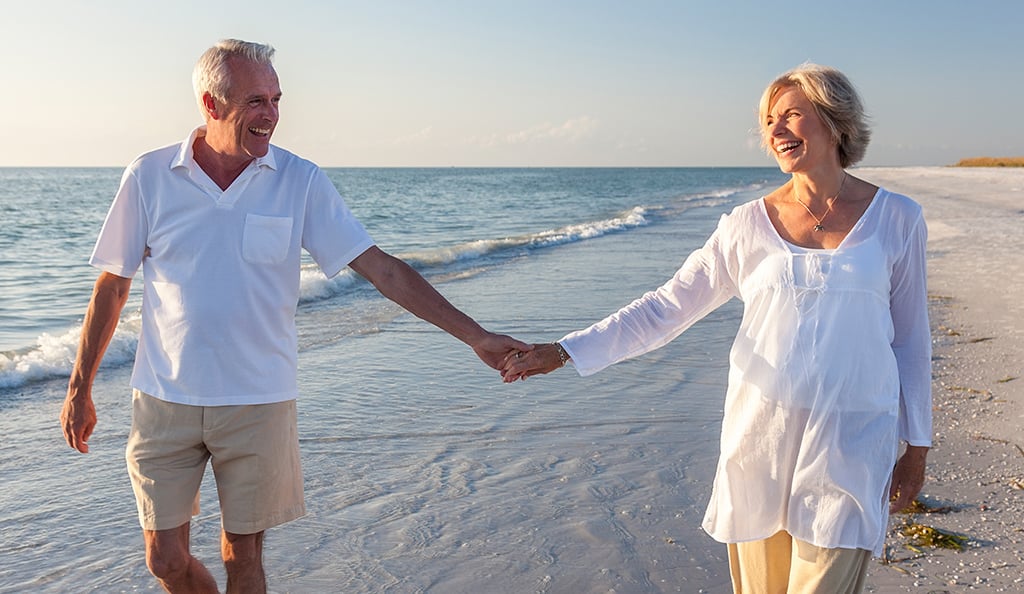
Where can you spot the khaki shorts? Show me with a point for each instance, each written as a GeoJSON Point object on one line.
{"type": "Point", "coordinates": [254, 451]}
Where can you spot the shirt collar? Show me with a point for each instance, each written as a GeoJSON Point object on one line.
{"type": "Point", "coordinates": [185, 158]}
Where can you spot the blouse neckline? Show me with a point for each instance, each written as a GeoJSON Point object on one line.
{"type": "Point", "coordinates": [875, 199]}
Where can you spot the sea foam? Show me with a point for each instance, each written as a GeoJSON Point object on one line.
{"type": "Point", "coordinates": [314, 286]}
{"type": "Point", "coordinates": [53, 356]}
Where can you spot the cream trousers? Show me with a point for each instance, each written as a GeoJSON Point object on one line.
{"type": "Point", "coordinates": [781, 564]}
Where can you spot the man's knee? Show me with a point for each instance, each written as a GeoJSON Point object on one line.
{"type": "Point", "coordinates": [242, 549]}
{"type": "Point", "coordinates": [167, 552]}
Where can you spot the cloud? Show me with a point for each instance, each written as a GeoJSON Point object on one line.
{"type": "Point", "coordinates": [753, 141]}
{"type": "Point", "coordinates": [569, 132]}
{"type": "Point", "coordinates": [414, 138]}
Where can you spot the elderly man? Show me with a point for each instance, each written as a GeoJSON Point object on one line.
{"type": "Point", "coordinates": [218, 223]}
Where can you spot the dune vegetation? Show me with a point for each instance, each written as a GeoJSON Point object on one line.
{"type": "Point", "coordinates": [991, 162]}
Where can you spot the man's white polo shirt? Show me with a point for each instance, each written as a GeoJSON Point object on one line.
{"type": "Point", "coordinates": [221, 270]}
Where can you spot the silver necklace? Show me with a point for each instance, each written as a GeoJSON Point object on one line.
{"type": "Point", "coordinates": [830, 202]}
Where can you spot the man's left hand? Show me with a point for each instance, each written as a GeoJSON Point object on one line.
{"type": "Point", "coordinates": [494, 348]}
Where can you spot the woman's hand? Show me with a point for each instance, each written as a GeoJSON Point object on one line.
{"type": "Point", "coordinates": [907, 478]}
{"type": "Point", "coordinates": [544, 358]}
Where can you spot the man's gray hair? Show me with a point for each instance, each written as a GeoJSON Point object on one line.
{"type": "Point", "coordinates": [212, 75]}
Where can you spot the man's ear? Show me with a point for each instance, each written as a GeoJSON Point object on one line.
{"type": "Point", "coordinates": [210, 105]}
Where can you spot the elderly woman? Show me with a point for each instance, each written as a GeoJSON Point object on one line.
{"type": "Point", "coordinates": [831, 368]}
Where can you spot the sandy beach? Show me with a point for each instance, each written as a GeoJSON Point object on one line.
{"type": "Point", "coordinates": [975, 479]}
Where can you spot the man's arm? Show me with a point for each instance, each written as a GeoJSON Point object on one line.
{"type": "Point", "coordinates": [78, 417]}
{"type": "Point", "coordinates": [400, 283]}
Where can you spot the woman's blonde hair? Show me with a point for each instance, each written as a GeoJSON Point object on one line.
{"type": "Point", "coordinates": [834, 99]}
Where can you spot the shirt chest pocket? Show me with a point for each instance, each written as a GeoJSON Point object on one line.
{"type": "Point", "coordinates": [266, 240]}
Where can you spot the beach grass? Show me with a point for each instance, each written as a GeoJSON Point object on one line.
{"type": "Point", "coordinates": [991, 162]}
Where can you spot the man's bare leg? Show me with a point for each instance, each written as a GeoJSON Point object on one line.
{"type": "Point", "coordinates": [169, 560]}
{"type": "Point", "coordinates": [243, 559]}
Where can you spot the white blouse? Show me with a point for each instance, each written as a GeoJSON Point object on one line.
{"type": "Point", "coordinates": [831, 368]}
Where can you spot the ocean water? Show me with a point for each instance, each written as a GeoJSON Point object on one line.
{"type": "Point", "coordinates": [423, 472]}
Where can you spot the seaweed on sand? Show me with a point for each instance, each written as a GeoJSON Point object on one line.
{"type": "Point", "coordinates": [921, 535]}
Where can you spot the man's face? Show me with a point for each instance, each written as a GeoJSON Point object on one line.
{"type": "Point", "coordinates": [243, 125]}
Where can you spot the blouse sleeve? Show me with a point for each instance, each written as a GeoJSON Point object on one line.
{"type": "Point", "coordinates": [912, 338]}
{"type": "Point", "coordinates": [700, 286]}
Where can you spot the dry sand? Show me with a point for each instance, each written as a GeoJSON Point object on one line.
{"type": "Point", "coordinates": [976, 466]}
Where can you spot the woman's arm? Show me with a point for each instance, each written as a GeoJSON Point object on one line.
{"type": "Point", "coordinates": [701, 285]}
{"type": "Point", "coordinates": [912, 347]}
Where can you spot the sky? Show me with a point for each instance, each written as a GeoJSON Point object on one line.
{"type": "Point", "coordinates": [524, 83]}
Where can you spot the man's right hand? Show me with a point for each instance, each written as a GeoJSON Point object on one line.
{"type": "Point", "coordinates": [78, 419]}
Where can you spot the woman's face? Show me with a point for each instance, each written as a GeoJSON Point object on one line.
{"type": "Point", "coordinates": [798, 138]}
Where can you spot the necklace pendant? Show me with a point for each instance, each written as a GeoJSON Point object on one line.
{"type": "Point", "coordinates": [819, 227]}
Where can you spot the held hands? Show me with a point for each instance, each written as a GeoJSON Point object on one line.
{"type": "Point", "coordinates": [541, 358]}
{"type": "Point", "coordinates": [494, 349]}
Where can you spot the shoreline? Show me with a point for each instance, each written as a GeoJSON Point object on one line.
{"type": "Point", "coordinates": [975, 476]}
